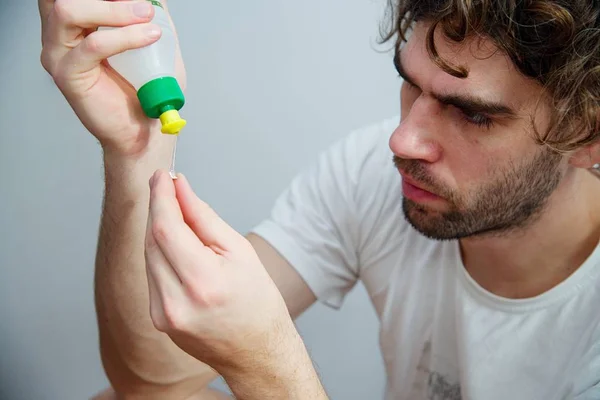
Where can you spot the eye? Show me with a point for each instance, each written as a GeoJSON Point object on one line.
{"type": "Point", "coordinates": [478, 119]}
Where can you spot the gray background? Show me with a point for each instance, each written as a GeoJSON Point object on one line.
{"type": "Point", "coordinates": [284, 78]}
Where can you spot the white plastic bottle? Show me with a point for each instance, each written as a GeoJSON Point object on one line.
{"type": "Point", "coordinates": [151, 71]}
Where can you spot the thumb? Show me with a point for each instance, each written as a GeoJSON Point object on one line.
{"type": "Point", "coordinates": [204, 221]}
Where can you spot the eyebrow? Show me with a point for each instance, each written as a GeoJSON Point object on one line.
{"type": "Point", "coordinates": [469, 103]}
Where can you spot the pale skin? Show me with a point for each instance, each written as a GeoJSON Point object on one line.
{"type": "Point", "coordinates": [140, 360]}
{"type": "Point", "coordinates": [524, 263]}
{"type": "Point", "coordinates": [167, 264]}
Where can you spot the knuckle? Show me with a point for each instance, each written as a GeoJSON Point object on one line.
{"type": "Point", "coordinates": [46, 61]}
{"type": "Point", "coordinates": [206, 296]}
{"type": "Point", "coordinates": [160, 230]}
{"type": "Point", "coordinates": [118, 10]}
{"type": "Point", "coordinates": [65, 11]}
{"type": "Point", "coordinates": [195, 219]}
{"type": "Point", "coordinates": [113, 8]}
{"type": "Point", "coordinates": [174, 317]}
{"type": "Point", "coordinates": [157, 317]}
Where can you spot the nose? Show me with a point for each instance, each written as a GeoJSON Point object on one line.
{"type": "Point", "coordinates": [414, 138]}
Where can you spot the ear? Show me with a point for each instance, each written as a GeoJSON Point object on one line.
{"type": "Point", "coordinates": [587, 156]}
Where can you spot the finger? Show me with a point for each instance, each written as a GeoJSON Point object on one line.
{"type": "Point", "coordinates": [166, 282]}
{"type": "Point", "coordinates": [204, 221]}
{"type": "Point", "coordinates": [68, 18]}
{"type": "Point", "coordinates": [156, 308]}
{"type": "Point", "coordinates": [189, 257]}
{"type": "Point", "coordinates": [103, 44]}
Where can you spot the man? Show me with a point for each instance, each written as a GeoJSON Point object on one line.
{"type": "Point", "coordinates": [473, 220]}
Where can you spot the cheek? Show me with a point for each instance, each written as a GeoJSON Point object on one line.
{"type": "Point", "coordinates": [470, 165]}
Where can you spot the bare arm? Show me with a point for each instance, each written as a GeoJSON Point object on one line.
{"type": "Point", "coordinates": [211, 293]}
{"type": "Point", "coordinates": [296, 293]}
{"type": "Point", "coordinates": [139, 360]}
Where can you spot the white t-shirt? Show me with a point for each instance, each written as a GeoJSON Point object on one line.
{"type": "Point", "coordinates": [442, 336]}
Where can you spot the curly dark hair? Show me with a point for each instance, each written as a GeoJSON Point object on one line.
{"type": "Point", "coordinates": [555, 42]}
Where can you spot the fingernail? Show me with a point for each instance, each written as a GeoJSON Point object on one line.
{"type": "Point", "coordinates": [153, 31]}
{"type": "Point", "coordinates": [142, 10]}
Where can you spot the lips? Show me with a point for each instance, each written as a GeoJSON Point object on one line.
{"type": "Point", "coordinates": [414, 183]}
{"type": "Point", "coordinates": [415, 191]}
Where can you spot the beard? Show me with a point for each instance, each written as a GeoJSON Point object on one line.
{"type": "Point", "coordinates": [510, 200]}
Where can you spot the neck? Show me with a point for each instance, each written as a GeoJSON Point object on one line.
{"type": "Point", "coordinates": [536, 258]}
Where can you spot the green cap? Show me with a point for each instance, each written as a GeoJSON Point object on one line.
{"type": "Point", "coordinates": [160, 95]}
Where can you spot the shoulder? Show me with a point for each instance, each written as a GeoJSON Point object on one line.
{"type": "Point", "coordinates": [362, 167]}
{"type": "Point", "coordinates": [366, 168]}
{"type": "Point", "coordinates": [368, 148]}
{"type": "Point", "coordinates": [357, 158]}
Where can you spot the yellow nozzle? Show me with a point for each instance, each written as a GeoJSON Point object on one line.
{"type": "Point", "coordinates": [172, 123]}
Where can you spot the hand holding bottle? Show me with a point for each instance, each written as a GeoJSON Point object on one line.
{"type": "Point", "coordinates": [74, 53]}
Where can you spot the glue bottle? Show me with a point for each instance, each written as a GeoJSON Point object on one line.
{"type": "Point", "coordinates": [151, 71]}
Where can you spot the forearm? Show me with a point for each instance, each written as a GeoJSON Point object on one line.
{"type": "Point", "coordinates": [137, 358]}
{"type": "Point", "coordinates": [288, 373]}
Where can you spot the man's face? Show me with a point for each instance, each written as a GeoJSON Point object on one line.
{"type": "Point", "coordinates": [465, 147]}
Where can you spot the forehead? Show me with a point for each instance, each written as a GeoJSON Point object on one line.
{"type": "Point", "coordinates": [492, 75]}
